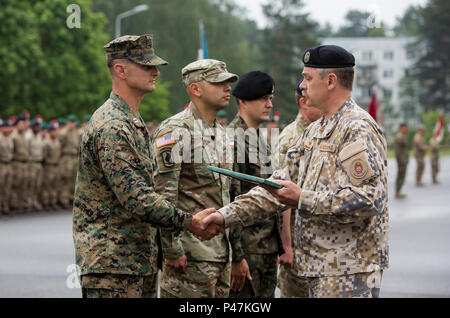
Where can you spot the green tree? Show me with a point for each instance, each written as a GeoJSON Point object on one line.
{"type": "Point", "coordinates": [357, 25]}
{"type": "Point", "coordinates": [289, 34]}
{"type": "Point", "coordinates": [410, 23]}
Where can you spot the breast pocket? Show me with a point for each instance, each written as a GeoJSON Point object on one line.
{"type": "Point", "coordinates": [203, 175]}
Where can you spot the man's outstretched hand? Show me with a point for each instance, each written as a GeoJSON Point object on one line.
{"type": "Point", "coordinates": [200, 230]}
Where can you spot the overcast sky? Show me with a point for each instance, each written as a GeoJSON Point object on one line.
{"type": "Point", "coordinates": [334, 11]}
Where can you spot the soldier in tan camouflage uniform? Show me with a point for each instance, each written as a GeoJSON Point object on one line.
{"type": "Point", "coordinates": [434, 158]}
{"type": "Point", "coordinates": [402, 157]}
{"type": "Point", "coordinates": [6, 156]}
{"type": "Point", "coordinates": [336, 176]}
{"type": "Point", "coordinates": [290, 280]}
{"type": "Point", "coordinates": [193, 268]}
{"type": "Point", "coordinates": [52, 178]}
{"type": "Point", "coordinates": [69, 139]}
{"type": "Point", "coordinates": [36, 145]}
{"type": "Point", "coordinates": [115, 207]}
{"type": "Point", "coordinates": [255, 248]}
{"type": "Point", "coordinates": [420, 149]}
{"type": "Point", "coordinates": [19, 195]}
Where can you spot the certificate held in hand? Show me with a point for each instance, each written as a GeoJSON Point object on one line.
{"type": "Point", "coordinates": [245, 177]}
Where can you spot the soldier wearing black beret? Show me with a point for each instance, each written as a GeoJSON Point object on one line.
{"type": "Point", "coordinates": [255, 248]}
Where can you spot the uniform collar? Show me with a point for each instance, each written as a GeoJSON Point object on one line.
{"type": "Point", "coordinates": [301, 121]}
{"type": "Point", "coordinates": [122, 105]}
{"type": "Point", "coordinates": [197, 115]}
{"type": "Point", "coordinates": [327, 126]}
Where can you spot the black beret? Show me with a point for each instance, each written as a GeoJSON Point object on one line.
{"type": "Point", "coordinates": [328, 56]}
{"type": "Point", "coordinates": [253, 85]}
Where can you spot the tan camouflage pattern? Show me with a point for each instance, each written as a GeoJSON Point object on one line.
{"type": "Point", "coordinates": [138, 49]}
{"type": "Point", "coordinates": [209, 70]}
{"type": "Point", "coordinates": [420, 149]}
{"type": "Point", "coordinates": [289, 279]}
{"type": "Point", "coordinates": [401, 148]}
{"type": "Point", "coordinates": [200, 280]}
{"type": "Point", "coordinates": [359, 285]}
{"type": "Point", "coordinates": [19, 196]}
{"type": "Point", "coordinates": [342, 221]}
{"type": "Point", "coordinates": [434, 158]}
{"type": "Point", "coordinates": [263, 269]}
{"type": "Point", "coordinates": [52, 179]}
{"type": "Point", "coordinates": [6, 176]}
{"type": "Point", "coordinates": [36, 144]}
{"type": "Point", "coordinates": [263, 237]}
{"type": "Point", "coordinates": [70, 146]}
{"type": "Point", "coordinates": [116, 206]}
{"type": "Point", "coordinates": [119, 286]}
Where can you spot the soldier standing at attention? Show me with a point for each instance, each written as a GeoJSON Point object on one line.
{"type": "Point", "coordinates": [402, 157]}
{"type": "Point", "coordinates": [36, 145]}
{"type": "Point", "coordinates": [52, 178]}
{"type": "Point", "coordinates": [420, 150]}
{"type": "Point", "coordinates": [19, 195]}
{"type": "Point", "coordinates": [434, 150]}
{"type": "Point", "coordinates": [193, 268]}
{"type": "Point", "coordinates": [115, 207]}
{"type": "Point", "coordinates": [290, 280]}
{"type": "Point", "coordinates": [255, 248]}
{"type": "Point", "coordinates": [336, 176]}
{"type": "Point", "coordinates": [6, 157]}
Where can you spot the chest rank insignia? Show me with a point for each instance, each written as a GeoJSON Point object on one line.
{"type": "Point", "coordinates": [308, 145]}
{"type": "Point", "coordinates": [358, 169]}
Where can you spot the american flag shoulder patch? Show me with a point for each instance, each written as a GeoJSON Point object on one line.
{"type": "Point", "coordinates": [165, 140]}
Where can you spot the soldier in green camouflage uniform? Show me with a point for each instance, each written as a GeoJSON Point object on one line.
{"type": "Point", "coordinates": [193, 268]}
{"type": "Point", "coordinates": [115, 207]}
{"type": "Point", "coordinates": [336, 176]}
{"type": "Point", "coordinates": [52, 178]}
{"type": "Point", "coordinates": [6, 156]}
{"type": "Point", "coordinates": [290, 281]}
{"type": "Point", "coordinates": [254, 247]}
{"type": "Point", "coordinates": [19, 195]}
{"type": "Point", "coordinates": [420, 149]}
{"type": "Point", "coordinates": [402, 156]}
{"type": "Point", "coordinates": [434, 150]}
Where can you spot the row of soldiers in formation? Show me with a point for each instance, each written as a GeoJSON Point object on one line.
{"type": "Point", "coordinates": [420, 149]}
{"type": "Point", "coordinates": [38, 163]}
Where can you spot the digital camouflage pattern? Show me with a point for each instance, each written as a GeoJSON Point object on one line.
{"type": "Point", "coordinates": [6, 176]}
{"type": "Point", "coordinates": [200, 280]}
{"type": "Point", "coordinates": [137, 48]}
{"type": "Point", "coordinates": [209, 70]}
{"type": "Point", "coordinates": [290, 281]}
{"type": "Point", "coordinates": [189, 185]}
{"type": "Point", "coordinates": [342, 222]}
{"type": "Point", "coordinates": [402, 156]}
{"type": "Point", "coordinates": [116, 206]}
{"type": "Point", "coordinates": [419, 153]}
{"type": "Point", "coordinates": [119, 286]}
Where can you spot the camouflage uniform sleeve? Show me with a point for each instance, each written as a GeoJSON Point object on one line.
{"type": "Point", "coordinates": [167, 176]}
{"type": "Point", "coordinates": [127, 173]}
{"type": "Point", "coordinates": [359, 195]}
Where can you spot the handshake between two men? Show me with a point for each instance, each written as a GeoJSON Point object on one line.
{"type": "Point", "coordinates": [208, 223]}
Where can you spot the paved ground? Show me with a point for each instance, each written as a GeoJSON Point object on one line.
{"type": "Point", "coordinates": [37, 250]}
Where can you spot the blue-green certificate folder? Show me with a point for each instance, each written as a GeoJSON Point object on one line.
{"type": "Point", "coordinates": [245, 177]}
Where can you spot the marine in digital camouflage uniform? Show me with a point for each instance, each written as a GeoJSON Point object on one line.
{"type": "Point", "coordinates": [260, 244]}
{"type": "Point", "coordinates": [420, 149]}
{"type": "Point", "coordinates": [336, 176]}
{"type": "Point", "coordinates": [290, 281]}
{"type": "Point", "coordinates": [6, 156]}
{"type": "Point", "coordinates": [402, 156]}
{"type": "Point", "coordinates": [194, 268]}
{"type": "Point", "coordinates": [116, 206]}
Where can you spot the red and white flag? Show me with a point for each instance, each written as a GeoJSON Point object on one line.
{"type": "Point", "coordinates": [374, 109]}
{"type": "Point", "coordinates": [439, 129]}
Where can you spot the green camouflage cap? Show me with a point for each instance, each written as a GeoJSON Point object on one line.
{"type": "Point", "coordinates": [62, 121]}
{"type": "Point", "coordinates": [209, 70]}
{"type": "Point", "coordinates": [136, 48]}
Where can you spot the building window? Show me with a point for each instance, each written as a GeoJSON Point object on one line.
{"type": "Point", "coordinates": [388, 55]}
{"type": "Point", "coordinates": [410, 54]}
{"type": "Point", "coordinates": [389, 73]}
{"type": "Point", "coordinates": [367, 55]}
{"type": "Point", "coordinates": [387, 93]}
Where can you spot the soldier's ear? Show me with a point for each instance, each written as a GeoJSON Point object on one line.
{"type": "Point", "coordinates": [195, 89]}
{"type": "Point", "coordinates": [332, 81]}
